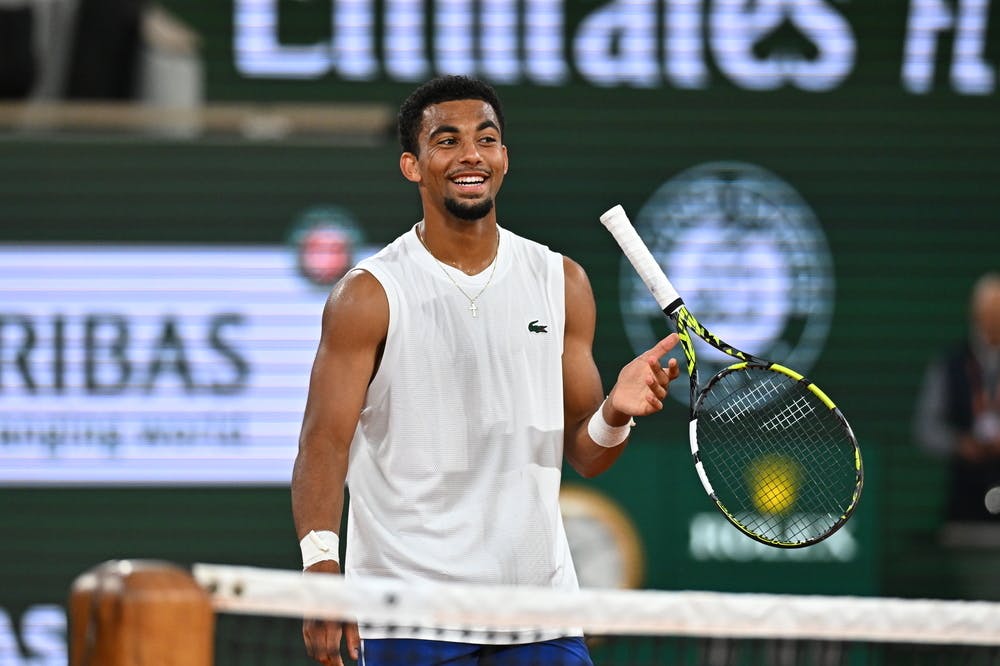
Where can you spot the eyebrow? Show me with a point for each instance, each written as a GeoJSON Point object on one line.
{"type": "Point", "coordinates": [451, 129]}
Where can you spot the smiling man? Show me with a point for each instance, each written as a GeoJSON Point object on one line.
{"type": "Point", "coordinates": [453, 376]}
{"type": "Point", "coordinates": [474, 179]}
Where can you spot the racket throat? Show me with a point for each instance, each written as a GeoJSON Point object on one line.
{"type": "Point", "coordinates": [673, 307]}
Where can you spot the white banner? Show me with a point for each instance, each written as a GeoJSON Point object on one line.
{"type": "Point", "coordinates": [153, 364]}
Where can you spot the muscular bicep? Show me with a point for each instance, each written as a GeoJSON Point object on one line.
{"type": "Point", "coordinates": [355, 323]}
{"type": "Point", "coordinates": [581, 380]}
{"type": "Point", "coordinates": [582, 388]}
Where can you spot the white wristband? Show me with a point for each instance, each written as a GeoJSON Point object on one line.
{"type": "Point", "coordinates": [606, 435]}
{"type": "Point", "coordinates": [319, 547]}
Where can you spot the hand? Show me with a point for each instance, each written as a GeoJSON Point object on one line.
{"type": "Point", "coordinates": [643, 383]}
{"type": "Point", "coordinates": [322, 637]}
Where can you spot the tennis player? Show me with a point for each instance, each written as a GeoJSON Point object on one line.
{"type": "Point", "coordinates": [454, 374]}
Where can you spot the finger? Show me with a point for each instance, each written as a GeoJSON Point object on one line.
{"type": "Point", "coordinates": [323, 642]}
{"type": "Point", "coordinates": [661, 348]}
{"type": "Point", "coordinates": [315, 636]}
{"type": "Point", "coordinates": [307, 638]}
{"type": "Point", "coordinates": [353, 639]}
{"type": "Point", "coordinates": [661, 374]}
{"type": "Point", "coordinates": [657, 382]}
{"type": "Point", "coordinates": [333, 632]}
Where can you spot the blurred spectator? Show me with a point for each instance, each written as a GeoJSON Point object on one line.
{"type": "Point", "coordinates": [106, 49]}
{"type": "Point", "coordinates": [958, 415]}
{"type": "Point", "coordinates": [17, 56]}
{"type": "Point", "coordinates": [100, 50]}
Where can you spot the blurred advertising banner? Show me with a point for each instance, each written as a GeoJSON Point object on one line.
{"type": "Point", "coordinates": [124, 364]}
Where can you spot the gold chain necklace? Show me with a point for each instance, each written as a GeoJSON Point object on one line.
{"type": "Point", "coordinates": [473, 308]}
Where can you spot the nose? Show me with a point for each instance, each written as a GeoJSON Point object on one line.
{"type": "Point", "coordinates": [470, 154]}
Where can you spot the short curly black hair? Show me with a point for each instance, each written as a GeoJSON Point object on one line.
{"type": "Point", "coordinates": [441, 89]}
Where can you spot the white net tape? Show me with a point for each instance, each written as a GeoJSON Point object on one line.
{"type": "Point", "coordinates": [248, 590]}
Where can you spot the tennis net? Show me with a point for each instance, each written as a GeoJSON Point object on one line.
{"type": "Point", "coordinates": [624, 627]}
{"type": "Point", "coordinates": [245, 616]}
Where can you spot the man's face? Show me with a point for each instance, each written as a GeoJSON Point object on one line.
{"type": "Point", "coordinates": [462, 161]}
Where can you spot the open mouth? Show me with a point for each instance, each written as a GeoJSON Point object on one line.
{"type": "Point", "coordinates": [472, 183]}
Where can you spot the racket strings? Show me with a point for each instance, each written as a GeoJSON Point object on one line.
{"type": "Point", "coordinates": [788, 417]}
{"type": "Point", "coordinates": [780, 461]}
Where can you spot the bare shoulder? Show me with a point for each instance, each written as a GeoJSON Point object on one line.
{"type": "Point", "coordinates": [577, 282]}
{"type": "Point", "coordinates": [358, 287]}
{"type": "Point", "coordinates": [581, 311]}
{"type": "Point", "coordinates": [358, 302]}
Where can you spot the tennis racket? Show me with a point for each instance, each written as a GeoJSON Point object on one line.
{"type": "Point", "coordinates": [773, 452]}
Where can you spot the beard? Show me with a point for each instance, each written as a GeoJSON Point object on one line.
{"type": "Point", "coordinates": [469, 212]}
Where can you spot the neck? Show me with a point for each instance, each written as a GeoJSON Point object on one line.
{"type": "Point", "coordinates": [468, 246]}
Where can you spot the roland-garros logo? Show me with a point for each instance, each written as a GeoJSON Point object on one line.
{"type": "Point", "coordinates": [748, 256]}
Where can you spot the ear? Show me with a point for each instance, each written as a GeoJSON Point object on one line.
{"type": "Point", "coordinates": [506, 163]}
{"type": "Point", "coordinates": [408, 164]}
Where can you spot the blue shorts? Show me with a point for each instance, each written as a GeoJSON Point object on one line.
{"type": "Point", "coordinates": [569, 651]}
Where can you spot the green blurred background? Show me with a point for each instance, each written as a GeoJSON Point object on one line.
{"type": "Point", "coordinates": [904, 184]}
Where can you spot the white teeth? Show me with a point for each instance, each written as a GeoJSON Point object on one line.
{"type": "Point", "coordinates": [469, 181]}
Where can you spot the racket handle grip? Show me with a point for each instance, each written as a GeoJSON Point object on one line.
{"type": "Point", "coordinates": [617, 222]}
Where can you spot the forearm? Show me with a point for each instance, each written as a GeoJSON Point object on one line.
{"type": "Point", "coordinates": [585, 455]}
{"type": "Point", "coordinates": [638, 391]}
{"type": "Point", "coordinates": [318, 479]}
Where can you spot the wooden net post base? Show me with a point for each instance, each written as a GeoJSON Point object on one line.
{"type": "Point", "coordinates": [139, 613]}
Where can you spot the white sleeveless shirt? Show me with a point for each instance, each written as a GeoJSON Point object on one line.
{"type": "Point", "coordinates": [456, 462]}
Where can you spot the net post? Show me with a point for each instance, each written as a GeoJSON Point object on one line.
{"type": "Point", "coordinates": [136, 612]}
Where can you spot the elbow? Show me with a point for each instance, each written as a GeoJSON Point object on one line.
{"type": "Point", "coordinates": [588, 458]}
{"type": "Point", "coordinates": [595, 466]}
{"type": "Point", "coordinates": [588, 471]}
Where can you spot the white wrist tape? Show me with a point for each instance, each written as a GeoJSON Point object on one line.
{"type": "Point", "coordinates": [606, 435]}
{"type": "Point", "coordinates": [319, 547]}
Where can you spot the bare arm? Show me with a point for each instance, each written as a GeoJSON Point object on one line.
{"type": "Point", "coordinates": [641, 386]}
{"type": "Point", "coordinates": [355, 323]}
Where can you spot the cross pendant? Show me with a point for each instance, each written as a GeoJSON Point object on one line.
{"type": "Point", "coordinates": [473, 309]}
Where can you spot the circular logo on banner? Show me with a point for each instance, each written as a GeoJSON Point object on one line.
{"type": "Point", "coordinates": [748, 257]}
{"type": "Point", "coordinates": [326, 239]}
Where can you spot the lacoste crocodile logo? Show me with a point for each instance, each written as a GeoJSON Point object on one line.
{"type": "Point", "coordinates": [535, 327]}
